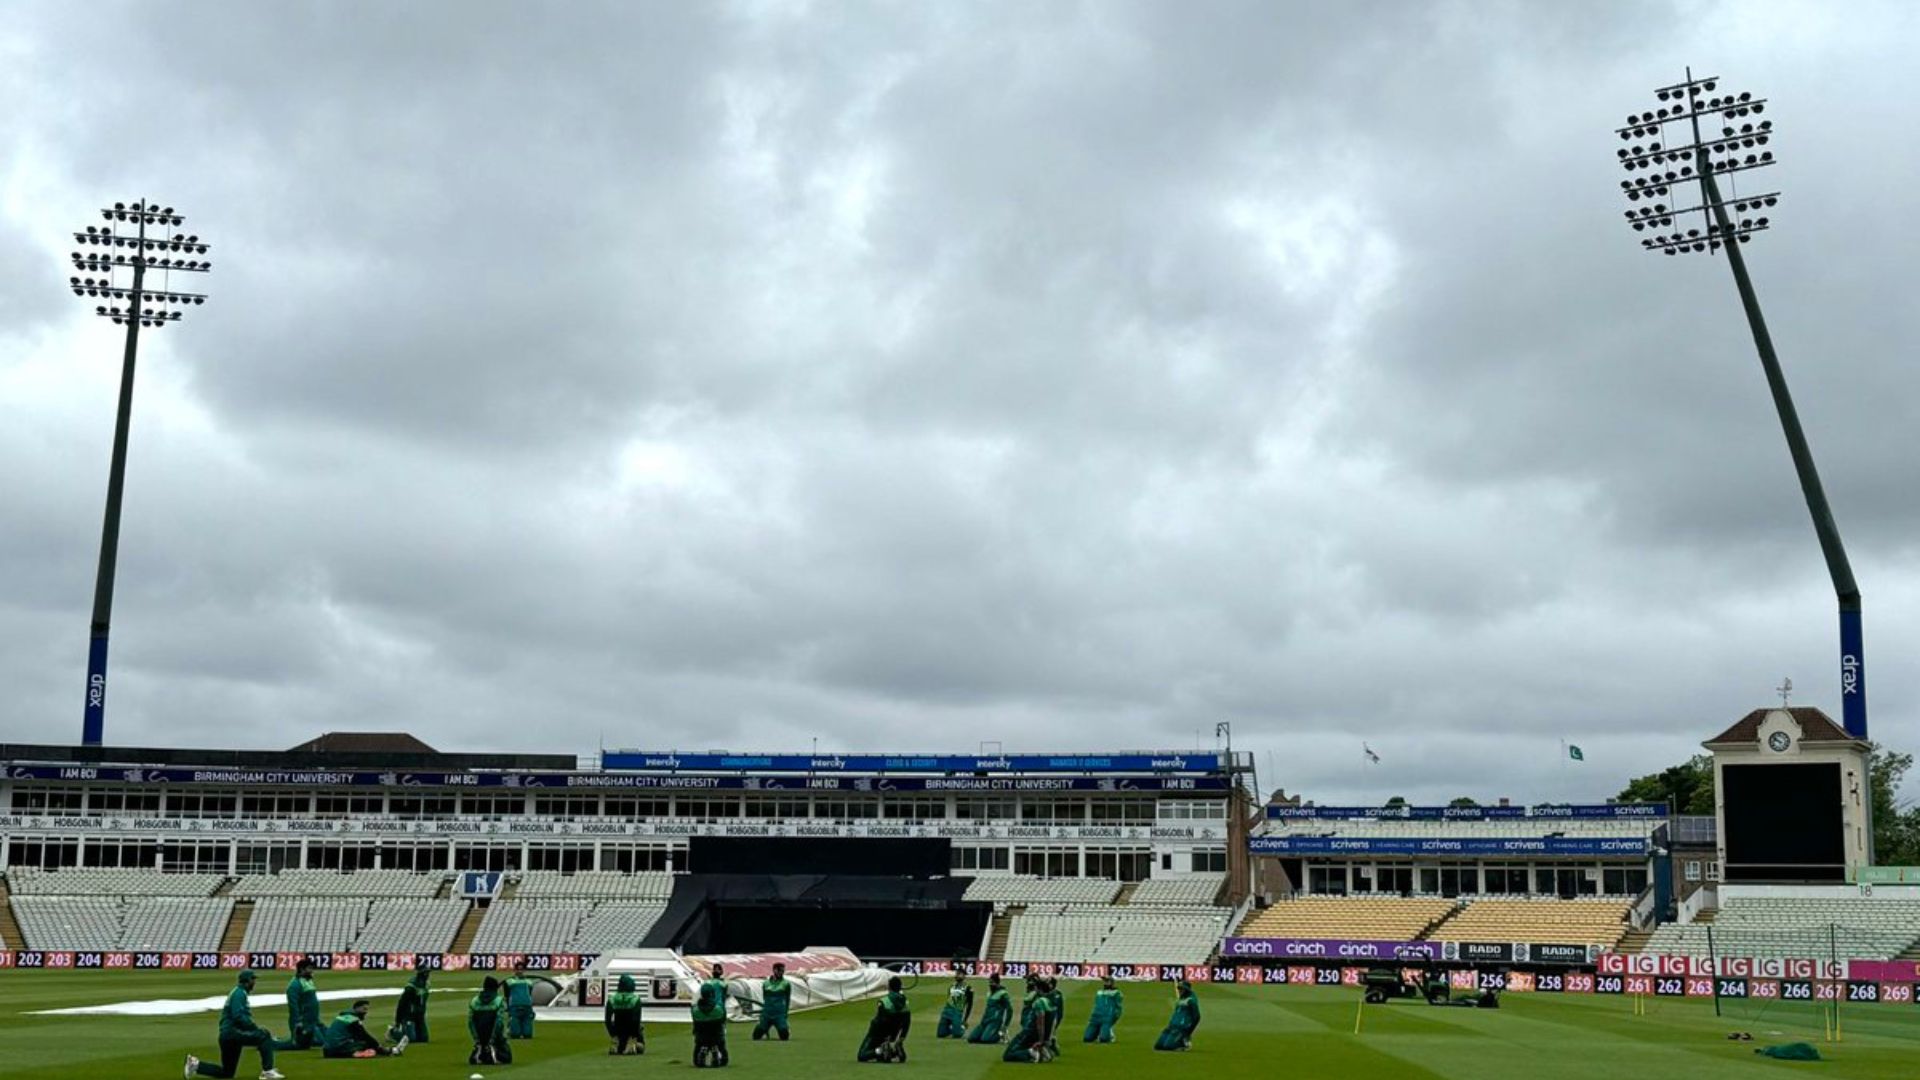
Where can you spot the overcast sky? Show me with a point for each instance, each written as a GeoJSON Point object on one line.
{"type": "Point", "coordinates": [908, 376]}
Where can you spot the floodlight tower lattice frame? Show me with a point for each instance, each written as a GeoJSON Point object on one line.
{"type": "Point", "coordinates": [1702, 161]}
{"type": "Point", "coordinates": [146, 307]}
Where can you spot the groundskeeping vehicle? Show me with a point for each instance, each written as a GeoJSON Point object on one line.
{"type": "Point", "coordinates": [1414, 975]}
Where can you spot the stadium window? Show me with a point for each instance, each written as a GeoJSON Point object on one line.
{"type": "Point", "coordinates": [1210, 862]}
{"type": "Point", "coordinates": [1103, 864]}
{"type": "Point", "coordinates": [633, 807]}
{"type": "Point", "coordinates": [1391, 879]}
{"type": "Point", "coordinates": [1362, 876]}
{"type": "Point", "coordinates": [984, 809]}
{"type": "Point", "coordinates": [1325, 880]}
{"type": "Point", "coordinates": [1713, 870]}
{"type": "Point", "coordinates": [1429, 880]}
{"type": "Point", "coordinates": [49, 800]}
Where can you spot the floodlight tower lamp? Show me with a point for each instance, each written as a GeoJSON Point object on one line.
{"type": "Point", "coordinates": [1709, 227]}
{"type": "Point", "coordinates": [134, 306]}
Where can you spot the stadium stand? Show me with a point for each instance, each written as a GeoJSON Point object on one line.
{"type": "Point", "coordinates": [1030, 891]}
{"type": "Point", "coordinates": [69, 922]}
{"type": "Point", "coordinates": [410, 925]}
{"type": "Point", "coordinates": [617, 926]}
{"type": "Point", "coordinates": [1162, 937]}
{"type": "Point", "coordinates": [596, 885]}
{"type": "Point", "coordinates": [530, 925]}
{"type": "Point", "coordinates": [1061, 934]}
{"type": "Point", "coordinates": [75, 881]}
{"type": "Point", "coordinates": [1560, 922]}
{"type": "Point", "coordinates": [303, 924]}
{"type": "Point", "coordinates": [1199, 890]}
{"type": "Point", "coordinates": [1845, 928]}
{"type": "Point", "coordinates": [175, 924]}
{"type": "Point", "coordinates": [1367, 918]}
{"type": "Point", "coordinates": [327, 883]}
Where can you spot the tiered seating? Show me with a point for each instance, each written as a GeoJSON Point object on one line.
{"type": "Point", "coordinates": [1162, 937]}
{"type": "Point", "coordinates": [410, 926]}
{"type": "Point", "coordinates": [1199, 890]}
{"type": "Point", "coordinates": [78, 881]}
{"type": "Point", "coordinates": [1063, 934]}
{"type": "Point", "coordinates": [176, 924]}
{"type": "Point", "coordinates": [69, 922]}
{"type": "Point", "coordinates": [322, 883]}
{"type": "Point", "coordinates": [1361, 918]}
{"type": "Point", "coordinates": [518, 926]}
{"type": "Point", "coordinates": [1029, 891]}
{"type": "Point", "coordinates": [1846, 928]}
{"type": "Point", "coordinates": [595, 885]}
{"type": "Point", "coordinates": [617, 924]}
{"type": "Point", "coordinates": [304, 925]}
{"type": "Point", "coordinates": [1558, 922]}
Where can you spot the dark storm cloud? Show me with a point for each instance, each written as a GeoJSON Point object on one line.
{"type": "Point", "coordinates": [904, 376]}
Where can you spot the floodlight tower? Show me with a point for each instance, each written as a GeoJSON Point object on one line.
{"type": "Point", "coordinates": [1663, 165]}
{"type": "Point", "coordinates": [135, 239]}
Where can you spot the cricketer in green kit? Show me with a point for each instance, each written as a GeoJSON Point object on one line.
{"type": "Point", "coordinates": [1030, 1044]}
{"type": "Point", "coordinates": [622, 1018]}
{"type": "Point", "coordinates": [1107, 1004]}
{"type": "Point", "coordinates": [237, 1032]}
{"type": "Point", "coordinates": [993, 1019]}
{"type": "Point", "coordinates": [348, 1037]}
{"type": "Point", "coordinates": [303, 1010]}
{"type": "Point", "coordinates": [776, 997]}
{"type": "Point", "coordinates": [410, 1015]}
{"type": "Point", "coordinates": [1178, 1034]}
{"type": "Point", "coordinates": [886, 1040]}
{"type": "Point", "coordinates": [487, 1024]}
{"type": "Point", "coordinates": [519, 991]}
{"type": "Point", "coordinates": [958, 1009]}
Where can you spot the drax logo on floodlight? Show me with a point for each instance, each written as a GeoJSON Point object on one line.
{"type": "Point", "coordinates": [115, 261]}
{"type": "Point", "coordinates": [1679, 153]}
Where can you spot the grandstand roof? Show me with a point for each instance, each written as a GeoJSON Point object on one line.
{"type": "Point", "coordinates": [416, 755]}
{"type": "Point", "coordinates": [364, 742]}
{"type": "Point", "coordinates": [1815, 726]}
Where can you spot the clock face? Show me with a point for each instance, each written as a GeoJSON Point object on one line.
{"type": "Point", "coordinates": [1778, 742]}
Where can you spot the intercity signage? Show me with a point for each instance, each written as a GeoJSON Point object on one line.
{"type": "Point", "coordinates": [1465, 813]}
{"type": "Point", "coordinates": [1368, 845]}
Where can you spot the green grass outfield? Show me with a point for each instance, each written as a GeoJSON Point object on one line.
{"type": "Point", "coordinates": [1266, 1032]}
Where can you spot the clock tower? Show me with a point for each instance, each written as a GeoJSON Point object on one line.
{"type": "Point", "coordinates": [1791, 798]}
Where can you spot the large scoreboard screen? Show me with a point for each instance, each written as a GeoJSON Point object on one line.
{"type": "Point", "coordinates": [1784, 823]}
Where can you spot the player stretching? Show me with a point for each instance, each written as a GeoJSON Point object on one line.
{"type": "Point", "coordinates": [993, 1019]}
{"type": "Point", "coordinates": [1031, 1044]}
{"type": "Point", "coordinates": [886, 1040]}
{"type": "Point", "coordinates": [410, 1015]}
{"type": "Point", "coordinates": [487, 1023]}
{"type": "Point", "coordinates": [237, 1032]}
{"type": "Point", "coordinates": [622, 1017]}
{"type": "Point", "coordinates": [1107, 1003]}
{"type": "Point", "coordinates": [776, 997]}
{"type": "Point", "coordinates": [1186, 1016]}
{"type": "Point", "coordinates": [958, 1009]}
{"type": "Point", "coordinates": [303, 1010]}
{"type": "Point", "coordinates": [519, 991]}
{"type": "Point", "coordinates": [347, 1037]}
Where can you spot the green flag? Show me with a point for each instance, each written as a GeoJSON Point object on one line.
{"type": "Point", "coordinates": [1574, 753]}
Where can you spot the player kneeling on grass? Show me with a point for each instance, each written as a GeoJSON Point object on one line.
{"type": "Point", "coordinates": [1032, 1044]}
{"type": "Point", "coordinates": [959, 1007]}
{"type": "Point", "coordinates": [1107, 1004]}
{"type": "Point", "coordinates": [487, 1023]}
{"type": "Point", "coordinates": [776, 998]}
{"type": "Point", "coordinates": [886, 1040]}
{"type": "Point", "coordinates": [710, 1024]}
{"type": "Point", "coordinates": [410, 1015]}
{"type": "Point", "coordinates": [622, 1017]}
{"type": "Point", "coordinates": [1178, 1034]}
{"type": "Point", "coordinates": [303, 1010]}
{"type": "Point", "coordinates": [348, 1037]}
{"type": "Point", "coordinates": [237, 1032]}
{"type": "Point", "coordinates": [993, 1019]}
